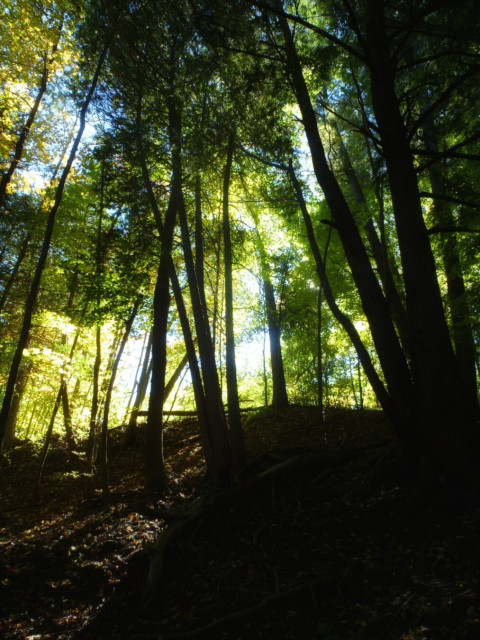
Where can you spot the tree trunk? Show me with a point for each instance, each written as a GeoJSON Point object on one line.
{"type": "Point", "coordinates": [22, 138]}
{"type": "Point", "coordinates": [462, 333]}
{"type": "Point", "coordinates": [206, 435]}
{"type": "Point", "coordinates": [93, 428]}
{"type": "Point", "coordinates": [279, 387]}
{"type": "Point", "coordinates": [392, 359]}
{"type": "Point", "coordinates": [141, 393]}
{"type": "Point", "coordinates": [46, 444]}
{"type": "Point", "coordinates": [234, 419]}
{"type": "Point", "coordinates": [33, 293]}
{"type": "Point", "coordinates": [363, 355]}
{"type": "Point", "coordinates": [106, 407]}
{"type": "Point", "coordinates": [16, 267]}
{"type": "Point", "coordinates": [448, 413]}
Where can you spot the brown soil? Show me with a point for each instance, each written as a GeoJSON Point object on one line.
{"type": "Point", "coordinates": [346, 548]}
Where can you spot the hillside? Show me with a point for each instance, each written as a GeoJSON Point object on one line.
{"type": "Point", "coordinates": [334, 544]}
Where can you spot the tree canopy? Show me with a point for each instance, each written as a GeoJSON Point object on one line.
{"type": "Point", "coordinates": [282, 196]}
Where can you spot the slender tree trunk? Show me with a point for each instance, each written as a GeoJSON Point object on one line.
{"type": "Point", "coordinates": [141, 393]}
{"type": "Point", "coordinates": [363, 355]}
{"type": "Point", "coordinates": [462, 333]}
{"type": "Point", "coordinates": [33, 293]}
{"type": "Point", "coordinates": [320, 386]}
{"type": "Point", "coordinates": [392, 359]}
{"type": "Point", "coordinates": [144, 355]}
{"type": "Point", "coordinates": [93, 428]}
{"type": "Point", "coordinates": [198, 389]}
{"type": "Point", "coordinates": [46, 444]}
{"type": "Point", "coordinates": [379, 249]}
{"type": "Point", "coordinates": [279, 387]}
{"type": "Point", "coordinates": [213, 400]}
{"type": "Point", "coordinates": [106, 409]}
{"type": "Point", "coordinates": [13, 275]}
{"type": "Point", "coordinates": [175, 376]}
{"type": "Point", "coordinates": [234, 419]}
{"type": "Point", "coordinates": [22, 138]}
{"type": "Point", "coordinates": [221, 451]}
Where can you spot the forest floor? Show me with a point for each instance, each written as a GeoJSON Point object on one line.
{"type": "Point", "coordinates": [338, 547]}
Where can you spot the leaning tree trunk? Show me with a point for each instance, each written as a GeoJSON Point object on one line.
{"type": "Point", "coordinates": [13, 274]}
{"type": "Point", "coordinates": [22, 138]}
{"type": "Point", "coordinates": [362, 352]}
{"type": "Point", "coordinates": [141, 393]}
{"type": "Point", "coordinates": [33, 293]}
{"type": "Point", "coordinates": [392, 359]}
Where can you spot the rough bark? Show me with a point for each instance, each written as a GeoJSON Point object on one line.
{"type": "Point", "coordinates": [449, 429]}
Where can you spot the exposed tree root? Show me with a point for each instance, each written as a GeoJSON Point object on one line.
{"type": "Point", "coordinates": [325, 580]}
{"type": "Point", "coordinates": [319, 462]}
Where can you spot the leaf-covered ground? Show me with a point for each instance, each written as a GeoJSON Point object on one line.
{"type": "Point", "coordinates": [342, 549]}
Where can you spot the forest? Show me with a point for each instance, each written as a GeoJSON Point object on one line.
{"type": "Point", "coordinates": [239, 291]}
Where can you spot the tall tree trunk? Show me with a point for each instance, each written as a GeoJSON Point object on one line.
{"type": "Point", "coordinates": [33, 293]}
{"type": "Point", "coordinates": [205, 430]}
{"type": "Point", "coordinates": [279, 387]}
{"type": "Point", "coordinates": [362, 352]}
{"type": "Point", "coordinates": [234, 419]}
{"type": "Point", "coordinates": [448, 411]}
{"type": "Point", "coordinates": [391, 356]}
{"type": "Point", "coordinates": [106, 408]}
{"type": "Point", "coordinates": [221, 450]}
{"type": "Point", "coordinates": [93, 426]}
{"type": "Point", "coordinates": [462, 333]}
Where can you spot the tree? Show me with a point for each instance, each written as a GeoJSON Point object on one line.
{"type": "Point", "coordinates": [33, 293]}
